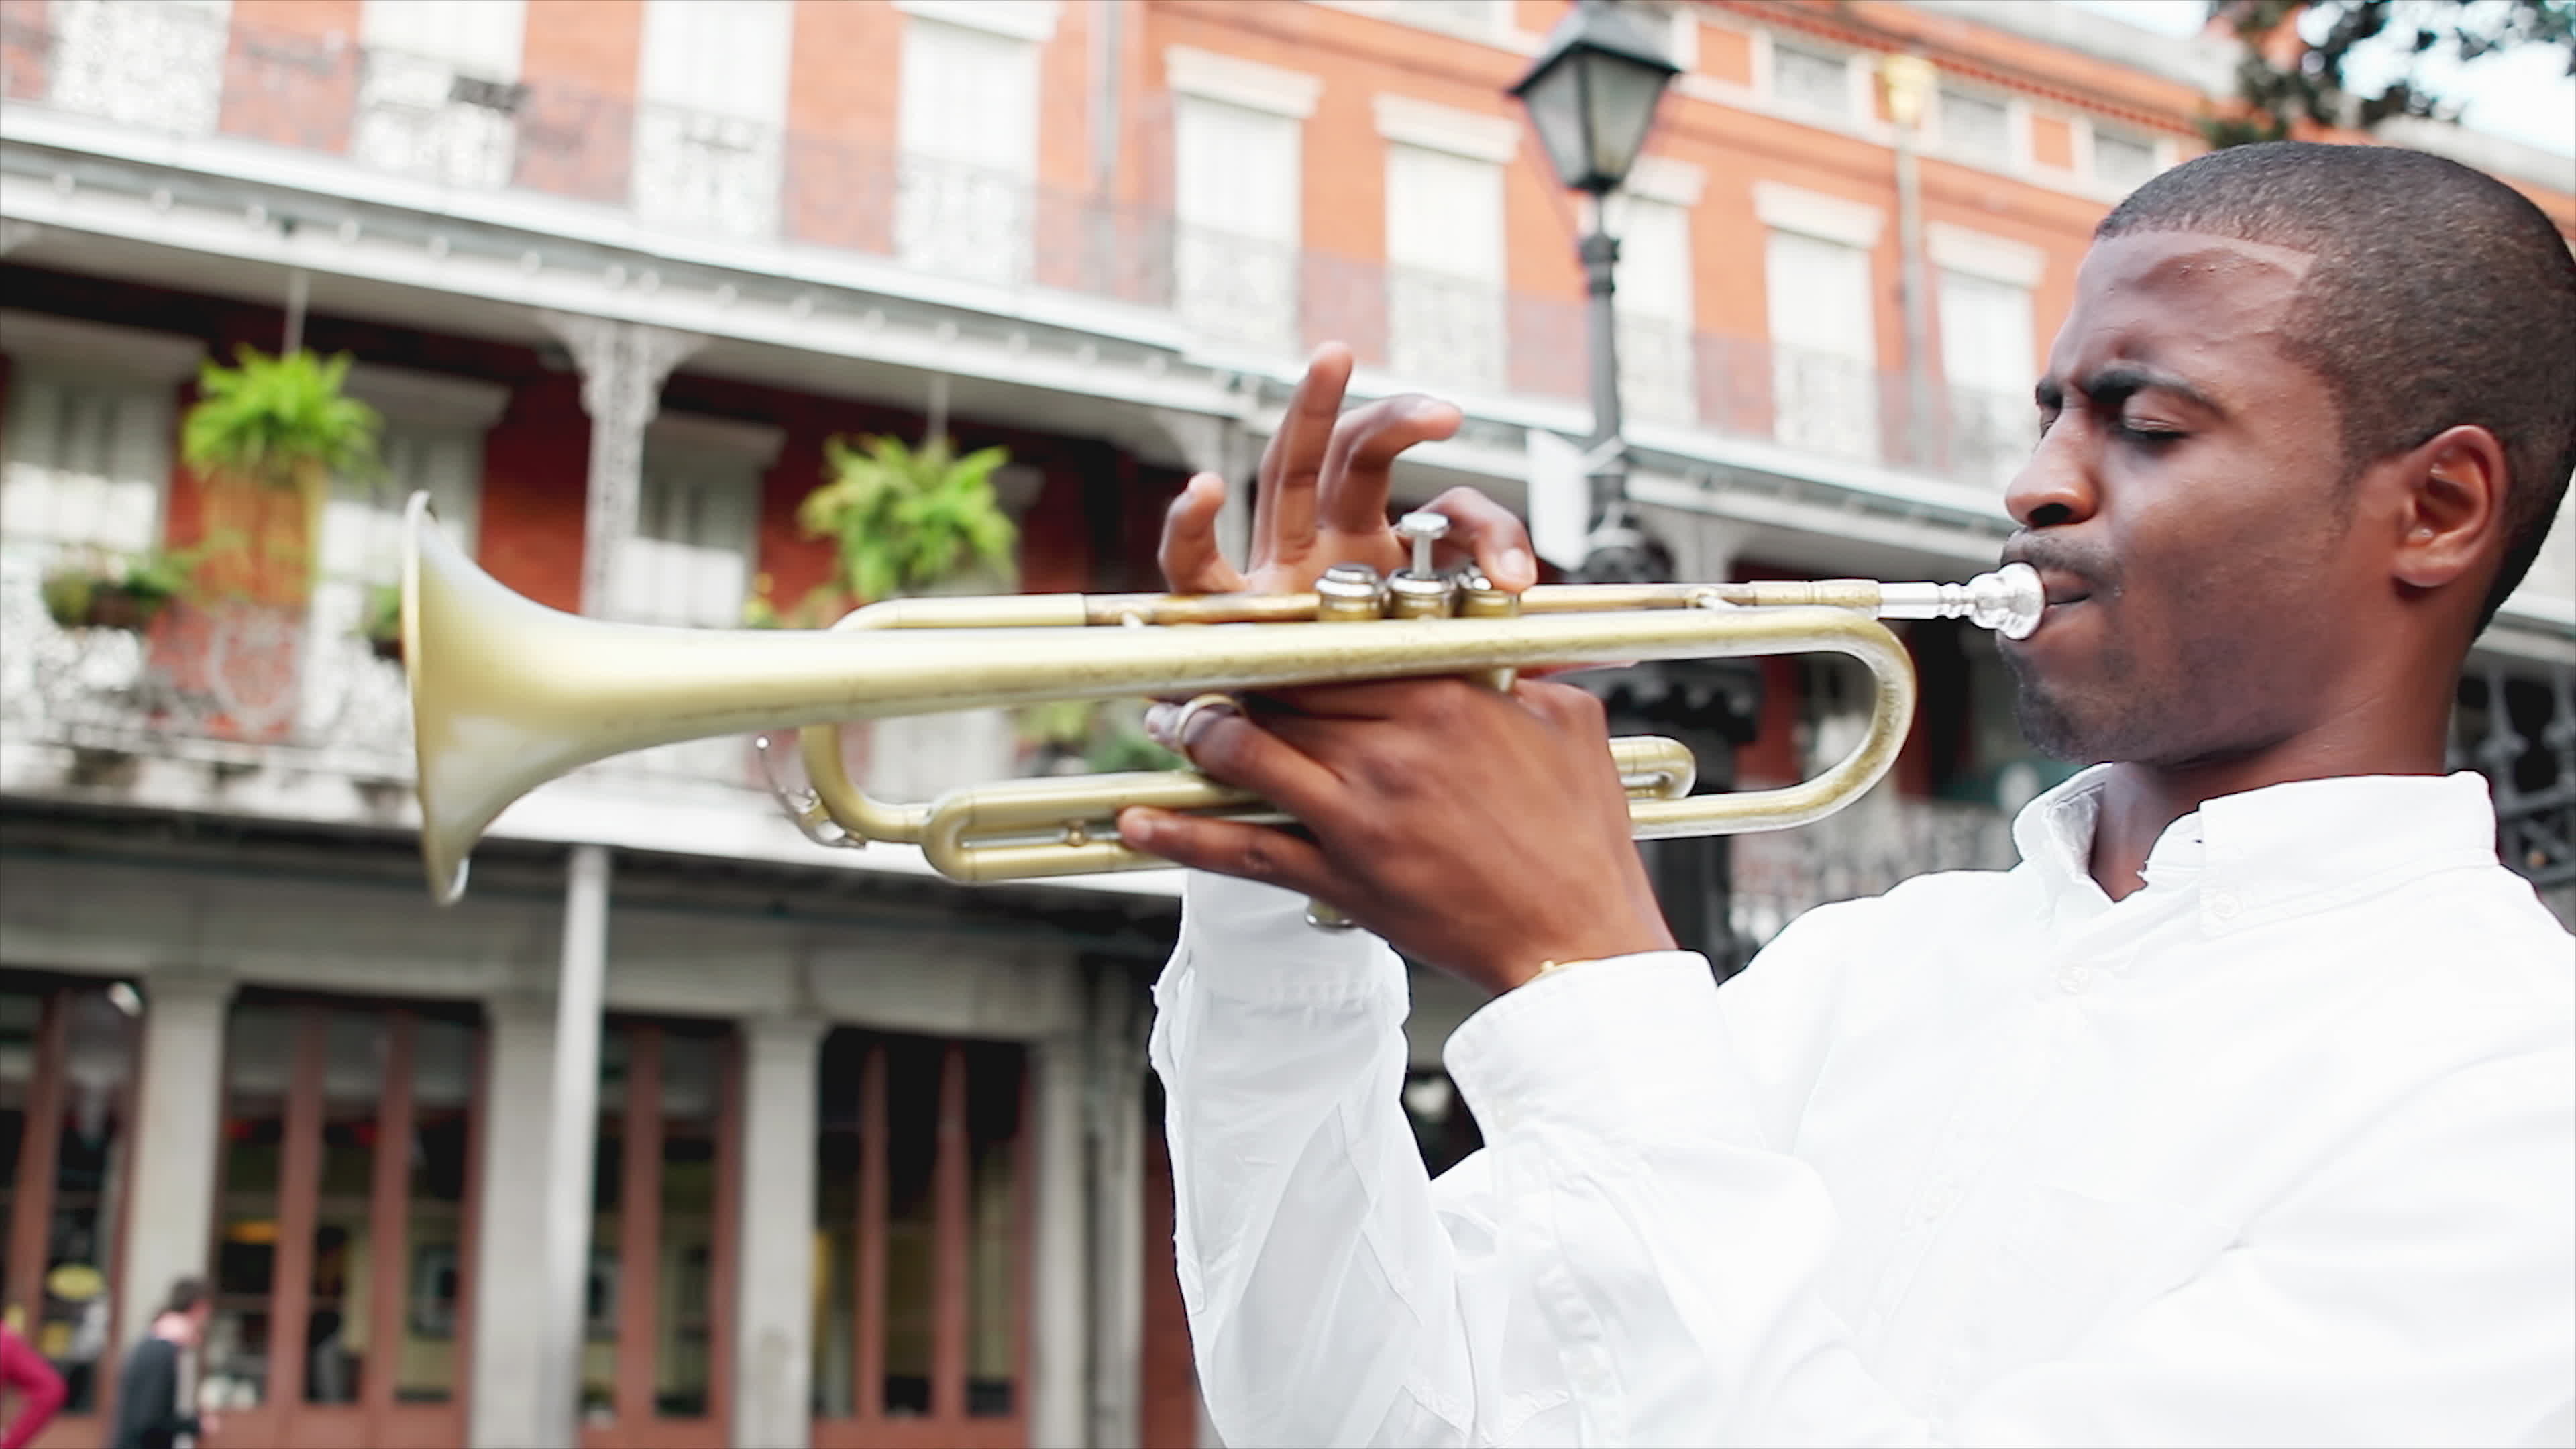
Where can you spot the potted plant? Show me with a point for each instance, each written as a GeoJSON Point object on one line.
{"type": "Point", "coordinates": [276, 427]}
{"type": "Point", "coordinates": [381, 624]}
{"type": "Point", "coordinates": [904, 520]}
{"type": "Point", "coordinates": [117, 591]}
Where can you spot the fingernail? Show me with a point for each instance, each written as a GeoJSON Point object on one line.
{"type": "Point", "coordinates": [1135, 826]}
{"type": "Point", "coordinates": [1158, 723]}
{"type": "Point", "coordinates": [1201, 718]}
{"type": "Point", "coordinates": [1514, 569]}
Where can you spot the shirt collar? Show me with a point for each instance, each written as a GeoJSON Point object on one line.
{"type": "Point", "coordinates": [2305, 844]}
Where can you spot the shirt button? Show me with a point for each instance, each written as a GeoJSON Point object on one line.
{"type": "Point", "coordinates": [1939, 1201]}
{"type": "Point", "coordinates": [2225, 905]}
{"type": "Point", "coordinates": [2074, 979]}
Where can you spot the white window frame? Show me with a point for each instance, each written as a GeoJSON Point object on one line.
{"type": "Point", "coordinates": [129, 359]}
{"type": "Point", "coordinates": [1856, 108]}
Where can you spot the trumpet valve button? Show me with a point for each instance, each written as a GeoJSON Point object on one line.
{"type": "Point", "coordinates": [1422, 528]}
{"type": "Point", "coordinates": [1349, 591]}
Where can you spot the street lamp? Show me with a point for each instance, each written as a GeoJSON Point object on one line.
{"type": "Point", "coordinates": [1591, 96]}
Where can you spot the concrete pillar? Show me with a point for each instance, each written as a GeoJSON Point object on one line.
{"type": "Point", "coordinates": [773, 1344]}
{"type": "Point", "coordinates": [171, 1210]}
{"type": "Point", "coordinates": [1116, 1128]}
{"type": "Point", "coordinates": [572, 1139]}
{"type": "Point", "coordinates": [508, 1408]}
{"type": "Point", "coordinates": [1060, 1276]}
{"type": "Point", "coordinates": [623, 365]}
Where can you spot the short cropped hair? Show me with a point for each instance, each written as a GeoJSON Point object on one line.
{"type": "Point", "coordinates": [2439, 296]}
{"type": "Point", "coordinates": [185, 1295]}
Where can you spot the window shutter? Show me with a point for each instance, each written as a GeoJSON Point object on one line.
{"type": "Point", "coordinates": [1237, 188]}
{"type": "Point", "coordinates": [1986, 361]}
{"type": "Point", "coordinates": [1824, 373]}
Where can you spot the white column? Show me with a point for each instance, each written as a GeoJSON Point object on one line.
{"type": "Point", "coordinates": [1117, 1128]}
{"type": "Point", "coordinates": [1060, 1280]}
{"type": "Point", "coordinates": [171, 1211]}
{"type": "Point", "coordinates": [623, 365]}
{"type": "Point", "coordinates": [773, 1343]}
{"type": "Point", "coordinates": [573, 1139]}
{"type": "Point", "coordinates": [508, 1405]}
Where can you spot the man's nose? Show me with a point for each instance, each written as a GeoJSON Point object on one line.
{"type": "Point", "coordinates": [2056, 486]}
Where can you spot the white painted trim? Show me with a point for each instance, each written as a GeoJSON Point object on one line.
{"type": "Point", "coordinates": [1017, 19]}
{"type": "Point", "coordinates": [1661, 178]}
{"type": "Point", "coordinates": [1978, 254]}
{"type": "Point", "coordinates": [1473, 134]}
{"type": "Point", "coordinates": [130, 353]}
{"type": "Point", "coordinates": [1498, 29]}
{"type": "Point", "coordinates": [759, 442]}
{"type": "Point", "coordinates": [1235, 81]}
{"type": "Point", "coordinates": [437, 399]}
{"type": "Point", "coordinates": [1812, 213]}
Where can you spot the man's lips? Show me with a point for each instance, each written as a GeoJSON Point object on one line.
{"type": "Point", "coordinates": [2058, 587]}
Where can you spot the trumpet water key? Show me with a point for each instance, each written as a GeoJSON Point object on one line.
{"type": "Point", "coordinates": [508, 694]}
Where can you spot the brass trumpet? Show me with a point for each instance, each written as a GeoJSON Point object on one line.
{"type": "Point", "coordinates": [508, 694]}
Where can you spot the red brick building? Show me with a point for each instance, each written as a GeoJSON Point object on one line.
{"type": "Point", "coordinates": [873, 1155]}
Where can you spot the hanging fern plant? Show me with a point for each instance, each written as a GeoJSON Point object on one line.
{"type": "Point", "coordinates": [903, 519]}
{"type": "Point", "coordinates": [275, 425]}
{"type": "Point", "coordinates": [279, 422]}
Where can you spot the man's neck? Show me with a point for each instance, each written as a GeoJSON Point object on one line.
{"type": "Point", "coordinates": [2139, 802]}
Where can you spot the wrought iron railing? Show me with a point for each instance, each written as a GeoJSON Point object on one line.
{"type": "Point", "coordinates": [688, 172]}
{"type": "Point", "coordinates": [1868, 848]}
{"type": "Point", "coordinates": [2517, 726]}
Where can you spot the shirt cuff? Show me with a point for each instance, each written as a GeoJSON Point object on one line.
{"type": "Point", "coordinates": [1251, 942]}
{"type": "Point", "coordinates": [1620, 1048]}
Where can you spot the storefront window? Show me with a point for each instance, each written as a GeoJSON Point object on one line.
{"type": "Point", "coordinates": [342, 1223]}
{"type": "Point", "coordinates": [66, 1067]}
{"type": "Point", "coordinates": [921, 1214]}
{"type": "Point", "coordinates": [660, 1241]}
{"type": "Point", "coordinates": [443, 1061]}
{"type": "Point", "coordinates": [260, 1049]}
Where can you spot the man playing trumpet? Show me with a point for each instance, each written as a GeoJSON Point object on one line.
{"type": "Point", "coordinates": [2243, 1110]}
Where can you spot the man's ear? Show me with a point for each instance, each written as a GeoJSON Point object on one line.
{"type": "Point", "coordinates": [2452, 509]}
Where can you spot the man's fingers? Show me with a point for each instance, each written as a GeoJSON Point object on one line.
{"type": "Point", "coordinates": [1227, 847]}
{"type": "Point", "coordinates": [1283, 516]}
{"type": "Point", "coordinates": [1192, 563]}
{"type": "Point", "coordinates": [1224, 746]}
{"type": "Point", "coordinates": [1361, 457]}
{"type": "Point", "coordinates": [1491, 534]}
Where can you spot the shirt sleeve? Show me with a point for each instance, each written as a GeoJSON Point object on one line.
{"type": "Point", "coordinates": [1634, 1258]}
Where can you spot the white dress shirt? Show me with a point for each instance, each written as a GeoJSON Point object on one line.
{"type": "Point", "coordinates": [2278, 1149]}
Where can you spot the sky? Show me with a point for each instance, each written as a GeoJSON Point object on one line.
{"type": "Point", "coordinates": [2524, 95]}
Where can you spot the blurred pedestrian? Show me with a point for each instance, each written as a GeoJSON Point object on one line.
{"type": "Point", "coordinates": [152, 1407]}
{"type": "Point", "coordinates": [40, 1391]}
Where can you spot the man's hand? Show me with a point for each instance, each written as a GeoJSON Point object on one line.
{"type": "Point", "coordinates": [1321, 494]}
{"type": "Point", "coordinates": [1481, 832]}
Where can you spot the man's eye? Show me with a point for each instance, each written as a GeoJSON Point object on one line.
{"type": "Point", "coordinates": [2148, 433]}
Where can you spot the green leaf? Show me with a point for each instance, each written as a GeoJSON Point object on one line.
{"type": "Point", "coordinates": [274, 420]}
{"type": "Point", "coordinates": [901, 518]}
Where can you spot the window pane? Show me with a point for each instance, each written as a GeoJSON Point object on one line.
{"type": "Point", "coordinates": [692, 1097]}
{"type": "Point", "coordinates": [2122, 161]}
{"type": "Point", "coordinates": [443, 1059]}
{"type": "Point", "coordinates": [837, 1148]}
{"type": "Point", "coordinates": [1975, 126]}
{"type": "Point", "coordinates": [22, 1012]}
{"type": "Point", "coordinates": [607, 1194]}
{"type": "Point", "coordinates": [259, 1064]}
{"type": "Point", "coordinates": [98, 1059]}
{"type": "Point", "coordinates": [912, 1150]}
{"type": "Point", "coordinates": [993, 1096]}
{"type": "Point", "coordinates": [1811, 78]}
{"type": "Point", "coordinates": [335, 1330]}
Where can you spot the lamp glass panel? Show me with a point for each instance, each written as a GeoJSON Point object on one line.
{"type": "Point", "coordinates": [1555, 102]}
{"type": "Point", "coordinates": [1621, 96]}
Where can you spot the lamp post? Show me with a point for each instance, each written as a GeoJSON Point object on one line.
{"type": "Point", "coordinates": [1910, 81]}
{"type": "Point", "coordinates": [1591, 96]}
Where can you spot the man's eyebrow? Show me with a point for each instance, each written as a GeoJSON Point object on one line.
{"type": "Point", "coordinates": [2110, 384]}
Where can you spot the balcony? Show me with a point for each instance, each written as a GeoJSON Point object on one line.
{"type": "Point", "coordinates": [728, 180]}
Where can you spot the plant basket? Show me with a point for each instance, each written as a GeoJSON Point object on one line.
{"type": "Point", "coordinates": [115, 606]}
